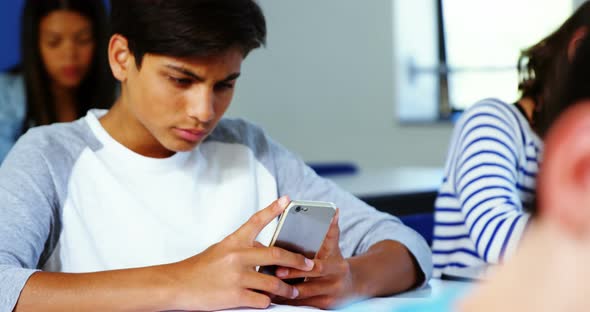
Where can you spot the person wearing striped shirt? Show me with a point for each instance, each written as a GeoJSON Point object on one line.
{"type": "Point", "coordinates": [488, 192]}
{"type": "Point", "coordinates": [531, 280]}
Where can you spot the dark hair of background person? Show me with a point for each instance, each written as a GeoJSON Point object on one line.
{"type": "Point", "coordinates": [542, 66]}
{"type": "Point", "coordinates": [96, 90]}
{"type": "Point", "coordinates": [188, 28]}
{"type": "Point", "coordinates": [574, 87]}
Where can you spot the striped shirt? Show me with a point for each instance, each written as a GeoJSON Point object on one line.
{"type": "Point", "coordinates": [490, 176]}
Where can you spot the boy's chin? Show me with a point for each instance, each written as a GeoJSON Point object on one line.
{"type": "Point", "coordinates": [182, 147]}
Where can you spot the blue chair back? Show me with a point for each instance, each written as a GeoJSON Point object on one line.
{"type": "Point", "coordinates": [423, 223]}
{"type": "Point", "coordinates": [10, 14]}
{"type": "Point", "coordinates": [415, 210]}
{"type": "Point", "coordinates": [334, 168]}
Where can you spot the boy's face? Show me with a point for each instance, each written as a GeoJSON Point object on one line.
{"type": "Point", "coordinates": [172, 104]}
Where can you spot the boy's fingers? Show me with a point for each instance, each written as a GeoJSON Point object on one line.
{"type": "Point", "coordinates": [277, 256]}
{"type": "Point", "coordinates": [249, 298]}
{"type": "Point", "coordinates": [330, 244]}
{"type": "Point", "coordinates": [321, 268]}
{"type": "Point", "coordinates": [259, 220]}
{"type": "Point", "coordinates": [270, 285]}
{"type": "Point", "coordinates": [314, 288]}
{"type": "Point", "coordinates": [322, 302]}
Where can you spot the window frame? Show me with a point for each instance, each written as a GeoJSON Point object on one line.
{"type": "Point", "coordinates": [441, 70]}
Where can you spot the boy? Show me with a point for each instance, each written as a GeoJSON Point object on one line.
{"type": "Point", "coordinates": [146, 206]}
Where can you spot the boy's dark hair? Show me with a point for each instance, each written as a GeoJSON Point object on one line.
{"type": "Point", "coordinates": [188, 28]}
{"type": "Point", "coordinates": [97, 89]}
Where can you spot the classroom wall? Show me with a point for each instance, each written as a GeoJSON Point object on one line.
{"type": "Point", "coordinates": [324, 86]}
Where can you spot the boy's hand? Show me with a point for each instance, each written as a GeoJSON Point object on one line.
{"type": "Point", "coordinates": [330, 283]}
{"type": "Point", "coordinates": [224, 276]}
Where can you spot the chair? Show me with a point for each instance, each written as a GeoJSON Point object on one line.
{"type": "Point", "coordinates": [416, 210]}
{"type": "Point", "coordinates": [10, 13]}
{"type": "Point", "coordinates": [333, 168]}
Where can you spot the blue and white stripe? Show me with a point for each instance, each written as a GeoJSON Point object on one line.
{"type": "Point", "coordinates": [489, 176]}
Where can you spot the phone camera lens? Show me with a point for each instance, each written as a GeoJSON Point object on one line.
{"type": "Point", "coordinates": [297, 209]}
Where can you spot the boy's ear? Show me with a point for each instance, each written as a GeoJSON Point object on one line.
{"type": "Point", "coordinates": [120, 57]}
{"type": "Point", "coordinates": [575, 41]}
{"type": "Point", "coordinates": [564, 179]}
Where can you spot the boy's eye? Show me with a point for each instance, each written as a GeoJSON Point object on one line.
{"type": "Point", "coordinates": [224, 86]}
{"type": "Point", "coordinates": [183, 82]}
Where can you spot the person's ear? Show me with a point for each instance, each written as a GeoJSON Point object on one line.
{"type": "Point", "coordinates": [120, 57]}
{"type": "Point", "coordinates": [575, 41]}
{"type": "Point", "coordinates": [564, 178]}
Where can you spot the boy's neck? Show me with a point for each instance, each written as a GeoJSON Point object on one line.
{"type": "Point", "coordinates": [125, 129]}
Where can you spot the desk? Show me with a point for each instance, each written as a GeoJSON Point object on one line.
{"type": "Point", "coordinates": [399, 191]}
{"type": "Point", "coordinates": [408, 193]}
{"type": "Point", "coordinates": [390, 181]}
{"type": "Point", "coordinates": [434, 288]}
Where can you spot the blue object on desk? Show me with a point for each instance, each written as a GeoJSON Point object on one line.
{"type": "Point", "coordinates": [441, 300]}
{"type": "Point", "coordinates": [326, 169]}
{"type": "Point", "coordinates": [445, 302]}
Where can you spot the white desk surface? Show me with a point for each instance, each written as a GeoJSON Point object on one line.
{"type": "Point", "coordinates": [390, 181]}
{"type": "Point", "coordinates": [434, 288]}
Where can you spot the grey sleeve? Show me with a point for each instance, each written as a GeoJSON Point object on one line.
{"type": "Point", "coordinates": [361, 225]}
{"type": "Point", "coordinates": [27, 211]}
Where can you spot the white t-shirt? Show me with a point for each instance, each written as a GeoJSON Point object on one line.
{"type": "Point", "coordinates": [75, 200]}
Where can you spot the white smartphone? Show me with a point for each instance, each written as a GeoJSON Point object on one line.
{"type": "Point", "coordinates": [302, 228]}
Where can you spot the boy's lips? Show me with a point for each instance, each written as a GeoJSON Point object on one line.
{"type": "Point", "coordinates": [191, 135]}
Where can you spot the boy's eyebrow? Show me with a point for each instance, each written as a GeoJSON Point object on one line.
{"type": "Point", "coordinates": [197, 77]}
{"type": "Point", "coordinates": [231, 77]}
